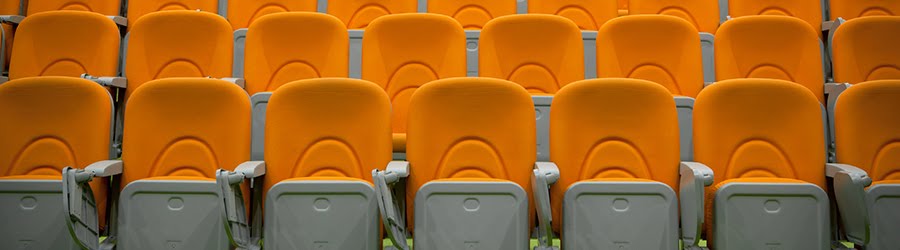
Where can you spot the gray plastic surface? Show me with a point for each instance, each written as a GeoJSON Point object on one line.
{"type": "Point", "coordinates": [471, 215]}
{"type": "Point", "coordinates": [79, 208]}
{"type": "Point", "coordinates": [542, 123]}
{"type": "Point", "coordinates": [3, 55]}
{"type": "Point", "coordinates": [850, 197]}
{"type": "Point", "coordinates": [169, 214]}
{"type": "Point", "coordinates": [356, 37]}
{"type": "Point", "coordinates": [33, 216]}
{"type": "Point", "coordinates": [832, 92]}
{"type": "Point", "coordinates": [544, 175]}
{"type": "Point", "coordinates": [694, 178]}
{"type": "Point", "coordinates": [119, 20]}
{"type": "Point", "coordinates": [771, 216]}
{"type": "Point", "coordinates": [723, 11]}
{"type": "Point", "coordinates": [685, 107]}
{"type": "Point", "coordinates": [884, 202]}
{"type": "Point", "coordinates": [589, 39]}
{"type": "Point", "coordinates": [322, 6]}
{"type": "Point", "coordinates": [258, 103]}
{"type": "Point", "coordinates": [472, 37]}
{"type": "Point", "coordinates": [521, 6]}
{"type": "Point", "coordinates": [422, 6]}
{"type": "Point", "coordinates": [620, 215]}
{"type": "Point", "coordinates": [707, 47]}
{"type": "Point", "coordinates": [240, 39]}
{"type": "Point", "coordinates": [321, 215]}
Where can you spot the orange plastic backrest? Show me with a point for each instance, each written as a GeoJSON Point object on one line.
{"type": "Point", "coordinates": [612, 128]}
{"type": "Point", "coordinates": [49, 123]}
{"type": "Point", "coordinates": [702, 14]}
{"type": "Point", "coordinates": [849, 9]}
{"type": "Point", "coordinates": [867, 128]}
{"type": "Point", "coordinates": [401, 52]}
{"type": "Point", "coordinates": [808, 10]}
{"type": "Point", "coordinates": [867, 49]}
{"type": "Point", "coordinates": [587, 14]}
{"type": "Point", "coordinates": [470, 128]}
{"type": "Point", "coordinates": [774, 47]}
{"type": "Point", "coordinates": [357, 14]}
{"type": "Point", "coordinates": [760, 128]}
{"type": "Point", "coordinates": [540, 52]}
{"type": "Point", "coordinates": [185, 128]}
{"type": "Point", "coordinates": [66, 43]}
{"type": "Point", "coordinates": [290, 46]}
{"type": "Point", "coordinates": [657, 48]}
{"type": "Point", "coordinates": [472, 14]}
{"type": "Point", "coordinates": [313, 130]}
{"type": "Point", "coordinates": [137, 9]}
{"type": "Point", "coordinates": [242, 13]}
{"type": "Point", "coordinates": [105, 7]}
{"type": "Point", "coordinates": [178, 44]}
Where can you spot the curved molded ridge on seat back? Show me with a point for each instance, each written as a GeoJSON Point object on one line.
{"type": "Point", "coordinates": [137, 9]}
{"type": "Point", "coordinates": [867, 128]}
{"type": "Point", "coordinates": [404, 51]}
{"type": "Point", "coordinates": [746, 128]}
{"type": "Point", "coordinates": [774, 47]}
{"type": "Point", "coordinates": [540, 52]}
{"type": "Point", "coordinates": [66, 43]}
{"type": "Point", "coordinates": [327, 127]}
{"type": "Point", "coordinates": [470, 128]}
{"type": "Point", "coordinates": [612, 128]}
{"type": "Point", "coordinates": [809, 11]}
{"type": "Point", "coordinates": [472, 14]}
{"type": "Point", "coordinates": [178, 44]}
{"type": "Point", "coordinates": [657, 48]}
{"type": "Point", "coordinates": [850, 9]}
{"type": "Point", "coordinates": [702, 14]}
{"type": "Point", "coordinates": [185, 127]}
{"type": "Point", "coordinates": [358, 14]}
{"type": "Point", "coordinates": [285, 47]}
{"type": "Point", "coordinates": [587, 14]}
{"type": "Point", "coordinates": [105, 7]}
{"type": "Point", "coordinates": [867, 49]}
{"type": "Point", "coordinates": [243, 13]}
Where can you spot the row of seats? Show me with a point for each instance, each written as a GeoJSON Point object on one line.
{"type": "Point", "coordinates": [472, 179]}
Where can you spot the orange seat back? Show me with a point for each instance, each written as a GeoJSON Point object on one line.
{"type": "Point", "coordinates": [472, 14]}
{"type": "Point", "coordinates": [587, 14]}
{"type": "Point", "coordinates": [402, 52]}
{"type": "Point", "coordinates": [66, 43]}
{"type": "Point", "coordinates": [357, 14]}
{"type": "Point", "coordinates": [540, 52]}
{"type": "Point", "coordinates": [867, 128]}
{"type": "Point", "coordinates": [849, 9]}
{"type": "Point", "coordinates": [137, 9]}
{"type": "Point", "coordinates": [867, 49]}
{"type": "Point", "coordinates": [285, 47]}
{"type": "Point", "coordinates": [105, 7]}
{"type": "Point", "coordinates": [612, 128]}
{"type": "Point", "coordinates": [702, 14]}
{"type": "Point", "coordinates": [657, 48]}
{"type": "Point", "coordinates": [313, 130]}
{"type": "Point", "coordinates": [470, 129]}
{"type": "Point", "coordinates": [178, 44]}
{"type": "Point", "coordinates": [242, 13]}
{"type": "Point", "coordinates": [774, 47]}
{"type": "Point", "coordinates": [808, 10]}
{"type": "Point", "coordinates": [185, 128]}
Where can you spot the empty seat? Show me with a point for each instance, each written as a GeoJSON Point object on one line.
{"type": "Point", "coordinates": [868, 136]}
{"type": "Point", "coordinates": [775, 47]}
{"type": "Point", "coordinates": [357, 14]}
{"type": "Point", "coordinates": [105, 7]}
{"type": "Point", "coordinates": [849, 9]}
{"type": "Point", "coordinates": [865, 49]}
{"type": "Point", "coordinates": [764, 139]}
{"type": "Point", "coordinates": [242, 13]}
{"type": "Point", "coordinates": [66, 43]}
{"type": "Point", "coordinates": [703, 15]}
{"type": "Point", "coordinates": [178, 44]}
{"type": "Point", "coordinates": [285, 47]}
{"type": "Point", "coordinates": [540, 52]}
{"type": "Point", "coordinates": [472, 14]}
{"type": "Point", "coordinates": [138, 8]}
{"type": "Point", "coordinates": [402, 52]}
{"type": "Point", "coordinates": [658, 48]}
{"type": "Point", "coordinates": [49, 123]}
{"type": "Point", "coordinates": [808, 10]}
{"type": "Point", "coordinates": [587, 14]}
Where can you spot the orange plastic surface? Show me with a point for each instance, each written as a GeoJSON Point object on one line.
{"type": "Point", "coordinates": [242, 13]}
{"type": "Point", "coordinates": [867, 49]}
{"type": "Point", "coordinates": [587, 14]}
{"type": "Point", "coordinates": [105, 7]}
{"type": "Point", "coordinates": [702, 14]}
{"type": "Point", "coordinates": [357, 14]}
{"type": "Point", "coordinates": [472, 14]}
{"type": "Point", "coordinates": [849, 9]}
{"type": "Point", "coordinates": [808, 10]}
{"type": "Point", "coordinates": [867, 128]}
{"type": "Point", "coordinates": [137, 9]}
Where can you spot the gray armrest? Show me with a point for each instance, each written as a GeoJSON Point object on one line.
{"type": "Point", "coordinates": [849, 192]}
{"type": "Point", "coordinates": [78, 201]}
{"type": "Point", "coordinates": [545, 174]}
{"type": "Point", "coordinates": [694, 178]}
{"type": "Point", "coordinates": [119, 20]}
{"type": "Point", "coordinates": [105, 168]}
{"type": "Point", "coordinates": [237, 228]}
{"type": "Point", "coordinates": [14, 19]}
{"type": "Point", "coordinates": [118, 82]}
{"type": "Point", "coordinates": [391, 216]}
{"type": "Point", "coordinates": [3, 79]}
{"type": "Point", "coordinates": [251, 169]}
{"type": "Point", "coordinates": [238, 81]}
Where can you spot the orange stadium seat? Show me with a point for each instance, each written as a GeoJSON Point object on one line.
{"type": "Point", "coordinates": [808, 10]}
{"type": "Point", "coordinates": [866, 49]}
{"type": "Point", "coordinates": [357, 14]}
{"type": "Point", "coordinates": [472, 14]}
{"type": "Point", "coordinates": [242, 13]}
{"type": "Point", "coordinates": [587, 14]}
{"type": "Point", "coordinates": [703, 15]}
{"type": "Point", "coordinates": [849, 9]}
{"type": "Point", "coordinates": [139, 8]}
{"type": "Point", "coordinates": [105, 7]}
